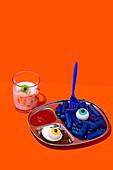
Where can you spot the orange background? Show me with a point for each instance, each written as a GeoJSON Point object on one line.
{"type": "Point", "coordinates": [47, 37]}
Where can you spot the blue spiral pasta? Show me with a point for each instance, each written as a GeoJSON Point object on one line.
{"type": "Point", "coordinates": [64, 106]}
{"type": "Point", "coordinates": [82, 104]}
{"type": "Point", "coordinates": [68, 120]}
{"type": "Point", "coordinates": [63, 117]}
{"type": "Point", "coordinates": [88, 129]}
{"type": "Point", "coordinates": [96, 125]}
{"type": "Point", "coordinates": [58, 109]}
{"type": "Point", "coordinates": [75, 120]}
{"type": "Point", "coordinates": [95, 134]}
{"type": "Point", "coordinates": [83, 130]}
{"type": "Point", "coordinates": [88, 122]}
{"type": "Point", "coordinates": [70, 110]}
{"type": "Point", "coordinates": [93, 118]}
{"type": "Point", "coordinates": [75, 127]}
{"type": "Point", "coordinates": [75, 133]}
{"type": "Point", "coordinates": [93, 110]}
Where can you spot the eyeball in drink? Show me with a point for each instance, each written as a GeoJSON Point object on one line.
{"type": "Point", "coordinates": [25, 90]}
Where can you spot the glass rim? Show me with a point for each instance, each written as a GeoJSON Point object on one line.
{"type": "Point", "coordinates": [27, 72]}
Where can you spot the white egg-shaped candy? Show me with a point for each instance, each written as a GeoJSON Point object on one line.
{"type": "Point", "coordinates": [82, 114]}
{"type": "Point", "coordinates": [51, 133]}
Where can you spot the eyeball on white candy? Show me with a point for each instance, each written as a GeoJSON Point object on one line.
{"type": "Point", "coordinates": [82, 114]}
{"type": "Point", "coordinates": [51, 133]}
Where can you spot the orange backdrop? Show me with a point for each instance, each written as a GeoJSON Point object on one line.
{"type": "Point", "coordinates": [47, 37]}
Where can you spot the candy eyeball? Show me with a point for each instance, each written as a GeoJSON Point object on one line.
{"type": "Point", "coordinates": [25, 88]}
{"type": "Point", "coordinates": [82, 114]}
{"type": "Point", "coordinates": [51, 133]}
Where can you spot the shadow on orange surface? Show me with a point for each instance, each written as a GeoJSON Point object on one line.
{"type": "Point", "coordinates": [82, 145]}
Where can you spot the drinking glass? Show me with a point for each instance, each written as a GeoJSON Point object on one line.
{"type": "Point", "coordinates": [25, 90]}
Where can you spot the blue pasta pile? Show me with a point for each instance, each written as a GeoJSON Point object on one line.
{"type": "Point", "coordinates": [88, 129]}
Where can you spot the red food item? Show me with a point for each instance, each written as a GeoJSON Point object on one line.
{"type": "Point", "coordinates": [43, 117]}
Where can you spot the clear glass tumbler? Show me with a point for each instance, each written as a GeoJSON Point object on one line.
{"type": "Point", "coordinates": [25, 90]}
